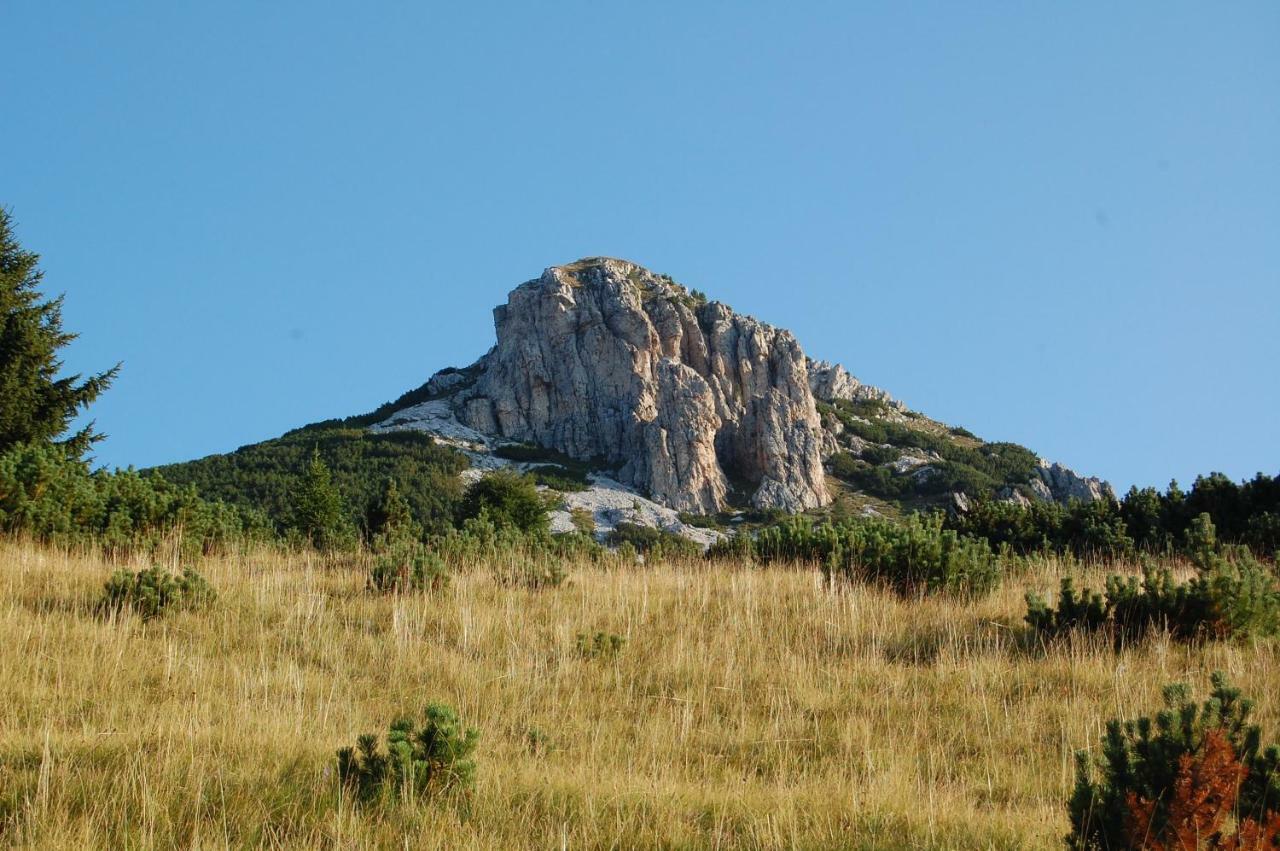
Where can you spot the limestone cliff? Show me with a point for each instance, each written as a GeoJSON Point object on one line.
{"type": "Point", "coordinates": [685, 399]}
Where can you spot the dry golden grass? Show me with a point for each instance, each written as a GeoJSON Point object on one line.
{"type": "Point", "coordinates": [749, 708]}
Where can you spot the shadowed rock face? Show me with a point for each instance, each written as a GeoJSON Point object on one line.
{"type": "Point", "coordinates": [604, 360]}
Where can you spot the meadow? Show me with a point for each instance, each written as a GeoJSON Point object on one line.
{"type": "Point", "coordinates": [748, 707]}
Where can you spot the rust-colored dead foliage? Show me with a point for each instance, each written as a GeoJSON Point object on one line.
{"type": "Point", "coordinates": [1200, 807]}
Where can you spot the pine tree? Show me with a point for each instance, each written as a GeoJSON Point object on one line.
{"type": "Point", "coordinates": [318, 510]}
{"type": "Point", "coordinates": [35, 404]}
{"type": "Point", "coordinates": [390, 520]}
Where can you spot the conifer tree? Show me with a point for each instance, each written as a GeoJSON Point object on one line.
{"type": "Point", "coordinates": [318, 510]}
{"type": "Point", "coordinates": [36, 405]}
{"type": "Point", "coordinates": [390, 521]}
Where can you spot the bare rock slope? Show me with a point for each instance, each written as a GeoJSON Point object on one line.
{"type": "Point", "coordinates": [685, 399]}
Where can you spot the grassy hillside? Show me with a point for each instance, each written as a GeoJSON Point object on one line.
{"type": "Point", "coordinates": [748, 707]}
{"type": "Point", "coordinates": [875, 437]}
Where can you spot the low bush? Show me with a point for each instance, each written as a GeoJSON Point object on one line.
{"type": "Point", "coordinates": [739, 548]}
{"type": "Point", "coordinates": [916, 555]}
{"type": "Point", "coordinates": [1192, 777]}
{"type": "Point", "coordinates": [542, 553]}
{"type": "Point", "coordinates": [404, 569]}
{"type": "Point", "coordinates": [267, 476]}
{"type": "Point", "coordinates": [652, 543]}
{"type": "Point", "coordinates": [435, 757]}
{"type": "Point", "coordinates": [54, 498]}
{"type": "Point", "coordinates": [538, 740]}
{"type": "Point", "coordinates": [600, 645]}
{"type": "Point", "coordinates": [154, 591]}
{"type": "Point", "coordinates": [583, 521]}
{"type": "Point", "coordinates": [1232, 595]}
{"type": "Point", "coordinates": [881, 454]}
{"type": "Point", "coordinates": [558, 478]}
{"type": "Point", "coordinates": [506, 498]}
{"type": "Point", "coordinates": [1090, 530]}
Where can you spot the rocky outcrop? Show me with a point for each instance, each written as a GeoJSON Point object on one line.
{"type": "Point", "coordinates": [686, 400]}
{"type": "Point", "coordinates": [831, 381]}
{"type": "Point", "coordinates": [1054, 482]}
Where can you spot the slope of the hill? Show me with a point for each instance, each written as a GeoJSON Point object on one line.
{"type": "Point", "coordinates": [747, 708]}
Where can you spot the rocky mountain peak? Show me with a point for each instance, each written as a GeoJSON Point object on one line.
{"type": "Point", "coordinates": [683, 398]}
{"type": "Point", "coordinates": [698, 408]}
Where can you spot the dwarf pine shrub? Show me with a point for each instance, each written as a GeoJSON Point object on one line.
{"type": "Point", "coordinates": [915, 555]}
{"type": "Point", "coordinates": [1075, 610]}
{"type": "Point", "coordinates": [538, 740]}
{"type": "Point", "coordinates": [436, 756]}
{"type": "Point", "coordinates": [739, 548]}
{"type": "Point", "coordinates": [1191, 777]}
{"type": "Point", "coordinates": [1232, 595]}
{"type": "Point", "coordinates": [154, 591]}
{"type": "Point", "coordinates": [408, 568]}
{"type": "Point", "coordinates": [600, 645]}
{"type": "Point", "coordinates": [653, 543]}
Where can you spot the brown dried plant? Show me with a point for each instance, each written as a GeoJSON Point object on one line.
{"type": "Point", "coordinates": [1200, 807]}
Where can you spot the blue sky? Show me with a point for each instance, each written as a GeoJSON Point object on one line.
{"type": "Point", "coordinates": [1057, 224]}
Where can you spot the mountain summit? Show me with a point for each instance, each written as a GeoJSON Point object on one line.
{"type": "Point", "coordinates": [602, 359]}
{"type": "Point", "coordinates": [700, 408]}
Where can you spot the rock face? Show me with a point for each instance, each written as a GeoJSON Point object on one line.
{"type": "Point", "coordinates": [831, 381]}
{"type": "Point", "coordinates": [686, 400]}
{"type": "Point", "coordinates": [1054, 482]}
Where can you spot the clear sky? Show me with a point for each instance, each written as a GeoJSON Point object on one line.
{"type": "Point", "coordinates": [1053, 223]}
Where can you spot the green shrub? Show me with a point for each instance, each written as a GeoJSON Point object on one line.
{"type": "Point", "coordinates": [1191, 777]}
{"type": "Point", "coordinates": [558, 478]}
{"type": "Point", "coordinates": [390, 521]}
{"type": "Point", "coordinates": [154, 591]}
{"type": "Point", "coordinates": [916, 555]}
{"type": "Point", "coordinates": [1216, 511]}
{"type": "Point", "coordinates": [738, 548]}
{"type": "Point", "coordinates": [54, 498]}
{"type": "Point", "coordinates": [528, 453]}
{"type": "Point", "coordinates": [652, 543]}
{"type": "Point", "coordinates": [409, 568]}
{"type": "Point", "coordinates": [600, 645]}
{"type": "Point", "coordinates": [1232, 595]}
{"type": "Point", "coordinates": [1200, 540]}
{"type": "Point", "coordinates": [506, 498]}
{"type": "Point", "coordinates": [1075, 610]}
{"type": "Point", "coordinates": [845, 465]}
{"type": "Point", "coordinates": [480, 539]}
{"type": "Point", "coordinates": [881, 454]}
{"type": "Point", "coordinates": [979, 471]}
{"type": "Point", "coordinates": [435, 757]}
{"type": "Point", "coordinates": [538, 740]}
